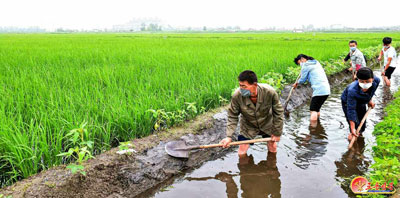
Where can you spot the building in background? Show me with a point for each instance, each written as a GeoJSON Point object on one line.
{"type": "Point", "coordinates": [140, 24]}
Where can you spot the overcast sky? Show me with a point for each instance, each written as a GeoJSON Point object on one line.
{"type": "Point", "coordinates": [88, 14]}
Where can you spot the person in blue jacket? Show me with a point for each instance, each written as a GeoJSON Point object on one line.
{"type": "Point", "coordinates": [356, 96]}
{"type": "Point", "coordinates": [312, 71]}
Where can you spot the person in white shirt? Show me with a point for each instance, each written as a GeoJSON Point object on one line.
{"type": "Point", "coordinates": [357, 58]}
{"type": "Point", "coordinates": [390, 60]}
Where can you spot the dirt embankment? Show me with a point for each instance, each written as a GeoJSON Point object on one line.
{"type": "Point", "coordinates": [114, 175]}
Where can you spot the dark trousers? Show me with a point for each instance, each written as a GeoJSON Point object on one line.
{"type": "Point", "coordinates": [361, 109]}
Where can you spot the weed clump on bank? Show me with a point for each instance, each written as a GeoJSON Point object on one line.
{"type": "Point", "coordinates": [386, 168]}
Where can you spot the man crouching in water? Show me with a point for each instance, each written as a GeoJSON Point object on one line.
{"type": "Point", "coordinates": [261, 110]}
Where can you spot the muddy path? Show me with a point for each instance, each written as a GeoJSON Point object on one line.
{"type": "Point", "coordinates": [308, 160]}
{"type": "Point", "coordinates": [311, 162]}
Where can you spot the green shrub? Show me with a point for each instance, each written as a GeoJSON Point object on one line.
{"type": "Point", "coordinates": [387, 150]}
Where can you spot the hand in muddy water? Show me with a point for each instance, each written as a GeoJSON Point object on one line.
{"type": "Point", "coordinates": [226, 142]}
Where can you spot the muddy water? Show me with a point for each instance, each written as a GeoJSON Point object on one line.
{"type": "Point", "coordinates": [311, 162]}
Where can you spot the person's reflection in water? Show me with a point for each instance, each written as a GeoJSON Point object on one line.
{"type": "Point", "coordinates": [311, 147]}
{"type": "Point", "coordinates": [352, 164]}
{"type": "Point", "coordinates": [256, 180]}
{"type": "Point", "coordinates": [259, 180]}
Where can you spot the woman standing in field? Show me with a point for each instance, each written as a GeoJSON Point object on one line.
{"type": "Point", "coordinates": [312, 71]}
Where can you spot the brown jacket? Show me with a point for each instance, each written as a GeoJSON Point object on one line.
{"type": "Point", "coordinates": [266, 117]}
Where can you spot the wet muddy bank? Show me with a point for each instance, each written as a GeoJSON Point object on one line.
{"type": "Point", "coordinates": [113, 175]}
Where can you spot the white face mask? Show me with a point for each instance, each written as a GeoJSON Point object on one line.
{"type": "Point", "coordinates": [365, 85]}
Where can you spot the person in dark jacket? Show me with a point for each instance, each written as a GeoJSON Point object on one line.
{"type": "Point", "coordinates": [355, 98]}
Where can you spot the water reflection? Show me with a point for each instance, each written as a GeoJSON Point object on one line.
{"type": "Point", "coordinates": [312, 146]}
{"type": "Point", "coordinates": [256, 180]}
{"type": "Point", "coordinates": [353, 163]}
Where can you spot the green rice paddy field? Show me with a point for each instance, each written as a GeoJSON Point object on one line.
{"type": "Point", "coordinates": [52, 83]}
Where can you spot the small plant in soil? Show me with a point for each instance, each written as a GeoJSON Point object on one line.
{"type": "Point", "coordinates": [223, 101]}
{"type": "Point", "coordinates": [126, 148]}
{"type": "Point", "coordinates": [3, 196]}
{"type": "Point", "coordinates": [166, 188]}
{"type": "Point", "coordinates": [79, 149]}
{"type": "Point", "coordinates": [163, 119]}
